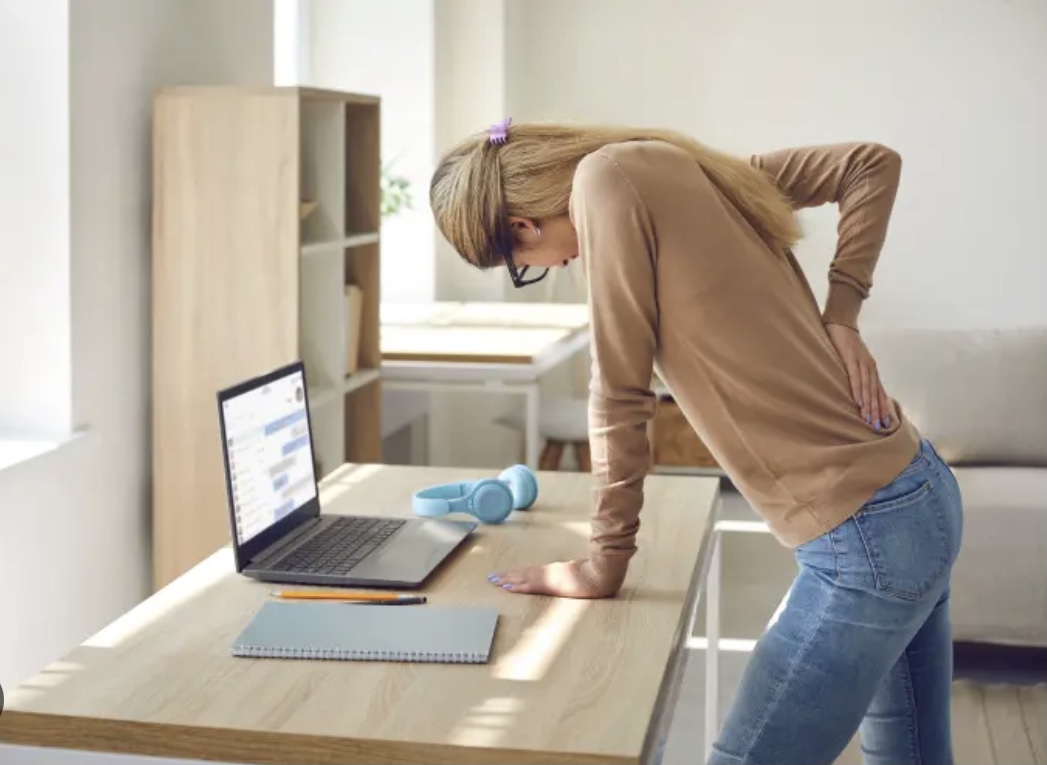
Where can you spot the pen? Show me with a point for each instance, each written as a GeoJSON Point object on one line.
{"type": "Point", "coordinates": [350, 597]}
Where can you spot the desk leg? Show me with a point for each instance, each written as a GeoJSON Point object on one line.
{"type": "Point", "coordinates": [712, 647]}
{"type": "Point", "coordinates": [532, 437]}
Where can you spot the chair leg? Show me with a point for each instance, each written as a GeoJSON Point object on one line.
{"type": "Point", "coordinates": [552, 453]}
{"type": "Point", "coordinates": [581, 453]}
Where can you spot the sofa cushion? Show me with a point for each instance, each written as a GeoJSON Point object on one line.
{"type": "Point", "coordinates": [979, 395]}
{"type": "Point", "coordinates": [999, 584]}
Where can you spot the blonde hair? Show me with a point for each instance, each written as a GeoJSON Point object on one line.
{"type": "Point", "coordinates": [478, 184]}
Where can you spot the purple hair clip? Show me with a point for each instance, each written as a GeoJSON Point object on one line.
{"type": "Point", "coordinates": [499, 132]}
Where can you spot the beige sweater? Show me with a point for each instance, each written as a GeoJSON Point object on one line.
{"type": "Point", "coordinates": [680, 284]}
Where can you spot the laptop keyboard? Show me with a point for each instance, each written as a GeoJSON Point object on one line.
{"type": "Point", "coordinates": [340, 546]}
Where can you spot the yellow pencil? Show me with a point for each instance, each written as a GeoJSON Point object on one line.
{"type": "Point", "coordinates": [342, 595]}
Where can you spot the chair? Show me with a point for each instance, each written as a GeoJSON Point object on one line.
{"type": "Point", "coordinates": [562, 421]}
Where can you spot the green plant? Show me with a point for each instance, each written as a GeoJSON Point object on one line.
{"type": "Point", "coordinates": [396, 193]}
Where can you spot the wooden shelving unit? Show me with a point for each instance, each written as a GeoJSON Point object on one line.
{"type": "Point", "coordinates": [266, 209]}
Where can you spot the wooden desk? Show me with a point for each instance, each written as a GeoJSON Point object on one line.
{"type": "Point", "coordinates": [570, 681]}
{"type": "Point", "coordinates": [481, 348]}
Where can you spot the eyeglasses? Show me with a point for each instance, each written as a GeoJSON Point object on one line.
{"type": "Point", "coordinates": [503, 244]}
{"type": "Point", "coordinates": [519, 276]}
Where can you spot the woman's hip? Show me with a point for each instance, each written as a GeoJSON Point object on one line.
{"type": "Point", "coordinates": [903, 541]}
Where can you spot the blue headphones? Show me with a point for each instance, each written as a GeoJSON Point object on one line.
{"type": "Point", "coordinates": [489, 499]}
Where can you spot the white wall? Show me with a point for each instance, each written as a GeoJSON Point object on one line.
{"type": "Point", "coordinates": [955, 85]}
{"type": "Point", "coordinates": [74, 524]}
{"type": "Point", "coordinates": [291, 42]}
{"type": "Point", "coordinates": [385, 47]}
{"type": "Point", "coordinates": [471, 93]}
{"type": "Point", "coordinates": [472, 39]}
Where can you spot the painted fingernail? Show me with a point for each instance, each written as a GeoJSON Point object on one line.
{"type": "Point", "coordinates": [507, 586]}
{"type": "Point", "coordinates": [868, 418]}
{"type": "Point", "coordinates": [493, 578]}
{"type": "Point", "coordinates": [887, 421]}
{"type": "Point", "coordinates": [878, 426]}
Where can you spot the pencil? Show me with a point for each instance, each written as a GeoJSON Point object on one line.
{"type": "Point", "coordinates": [405, 601]}
{"type": "Point", "coordinates": [359, 597]}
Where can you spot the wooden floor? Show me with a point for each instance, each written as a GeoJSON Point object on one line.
{"type": "Point", "coordinates": [999, 723]}
{"type": "Point", "coordinates": [992, 725]}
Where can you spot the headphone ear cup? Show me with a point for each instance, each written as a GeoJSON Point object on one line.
{"type": "Point", "coordinates": [522, 483]}
{"type": "Point", "coordinates": [492, 501]}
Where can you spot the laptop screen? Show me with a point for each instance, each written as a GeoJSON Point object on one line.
{"type": "Point", "coordinates": [269, 453]}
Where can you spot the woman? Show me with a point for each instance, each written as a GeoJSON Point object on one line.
{"type": "Point", "coordinates": [688, 260]}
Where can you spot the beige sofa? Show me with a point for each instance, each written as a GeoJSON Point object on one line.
{"type": "Point", "coordinates": [981, 397]}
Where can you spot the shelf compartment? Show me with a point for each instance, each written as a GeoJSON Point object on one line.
{"type": "Point", "coordinates": [363, 268]}
{"type": "Point", "coordinates": [322, 157]}
{"type": "Point", "coordinates": [322, 395]}
{"type": "Point", "coordinates": [363, 170]}
{"type": "Point", "coordinates": [322, 323]}
{"type": "Point", "coordinates": [362, 424]}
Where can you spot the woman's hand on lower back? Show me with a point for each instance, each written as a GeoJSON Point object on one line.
{"type": "Point", "coordinates": [866, 389]}
{"type": "Point", "coordinates": [566, 579]}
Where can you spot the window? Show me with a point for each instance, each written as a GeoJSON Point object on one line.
{"type": "Point", "coordinates": [35, 305]}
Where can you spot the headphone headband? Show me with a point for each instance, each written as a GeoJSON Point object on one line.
{"type": "Point", "coordinates": [442, 498]}
{"type": "Point", "coordinates": [489, 499]}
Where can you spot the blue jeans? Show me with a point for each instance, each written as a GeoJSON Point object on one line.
{"type": "Point", "coordinates": [863, 642]}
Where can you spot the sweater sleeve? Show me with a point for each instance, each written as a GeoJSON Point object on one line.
{"type": "Point", "coordinates": [615, 240]}
{"type": "Point", "coordinates": [862, 179]}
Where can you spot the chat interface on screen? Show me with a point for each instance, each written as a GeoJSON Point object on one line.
{"type": "Point", "coordinates": [270, 459]}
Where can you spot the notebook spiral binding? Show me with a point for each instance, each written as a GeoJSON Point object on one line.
{"type": "Point", "coordinates": [336, 654]}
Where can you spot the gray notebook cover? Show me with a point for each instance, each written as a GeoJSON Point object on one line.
{"type": "Point", "coordinates": [361, 632]}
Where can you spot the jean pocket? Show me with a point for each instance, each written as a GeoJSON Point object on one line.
{"type": "Point", "coordinates": [905, 536]}
{"type": "Point", "coordinates": [918, 464]}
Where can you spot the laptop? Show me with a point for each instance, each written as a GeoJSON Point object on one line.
{"type": "Point", "coordinates": [278, 531]}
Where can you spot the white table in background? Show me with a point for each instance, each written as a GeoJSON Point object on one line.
{"type": "Point", "coordinates": [501, 348]}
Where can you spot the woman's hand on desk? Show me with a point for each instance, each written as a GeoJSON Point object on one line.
{"type": "Point", "coordinates": [565, 579]}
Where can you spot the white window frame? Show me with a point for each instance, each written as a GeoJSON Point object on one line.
{"type": "Point", "coordinates": [35, 280]}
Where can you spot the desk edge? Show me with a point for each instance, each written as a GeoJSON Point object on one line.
{"type": "Point", "coordinates": [197, 742]}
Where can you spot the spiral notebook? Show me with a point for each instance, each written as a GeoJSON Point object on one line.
{"type": "Point", "coordinates": [362, 632]}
